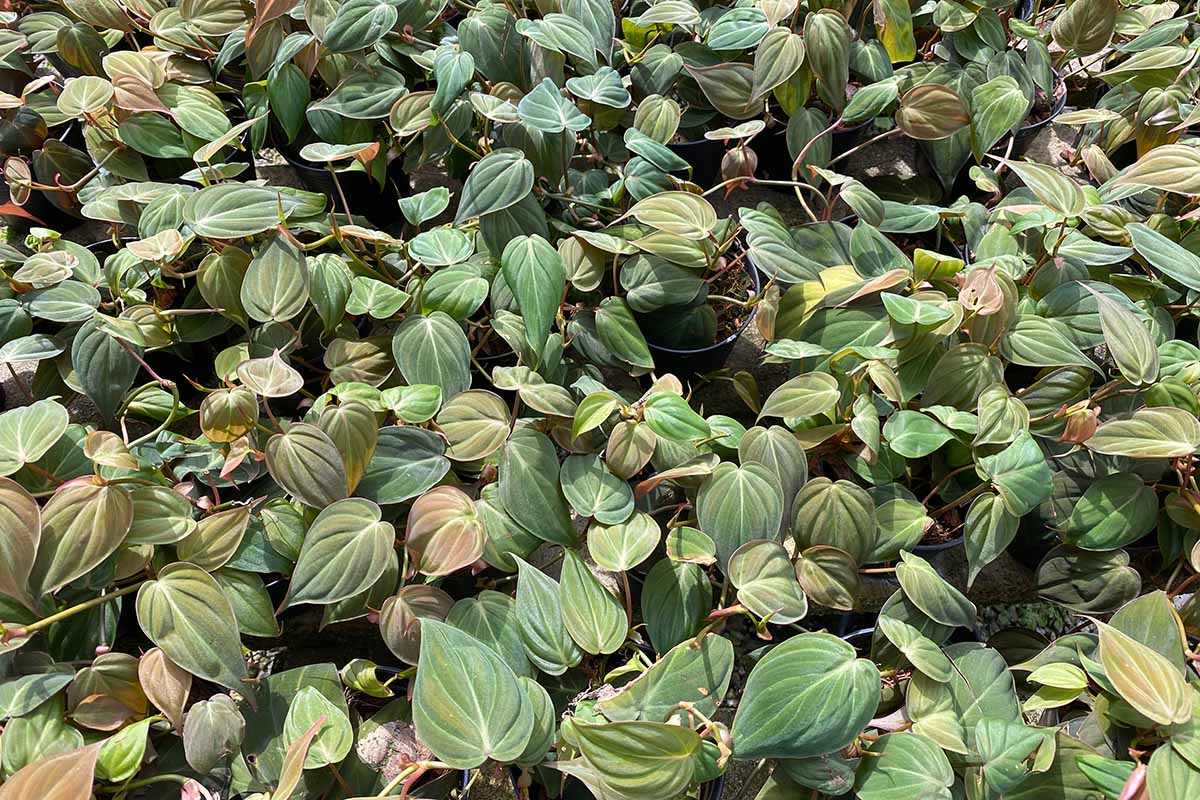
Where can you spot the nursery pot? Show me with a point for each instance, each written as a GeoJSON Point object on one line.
{"type": "Point", "coordinates": [365, 197]}
{"type": "Point", "coordinates": [775, 160]}
{"type": "Point", "coordinates": [687, 362]}
{"type": "Point", "coordinates": [1022, 139]}
{"type": "Point", "coordinates": [1027, 133]}
{"type": "Point", "coordinates": [928, 549]}
{"type": "Point", "coordinates": [704, 156]}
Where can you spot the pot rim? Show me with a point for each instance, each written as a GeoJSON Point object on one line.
{"type": "Point", "coordinates": [755, 279]}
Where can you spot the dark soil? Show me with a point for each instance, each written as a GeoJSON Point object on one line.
{"type": "Point", "coordinates": [1044, 104]}
{"type": "Point", "coordinates": [944, 529]}
{"type": "Point", "coordinates": [733, 281]}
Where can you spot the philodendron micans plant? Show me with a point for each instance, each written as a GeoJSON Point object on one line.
{"type": "Point", "coordinates": [294, 507]}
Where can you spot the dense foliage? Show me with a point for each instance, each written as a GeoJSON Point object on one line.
{"type": "Point", "coordinates": [467, 420]}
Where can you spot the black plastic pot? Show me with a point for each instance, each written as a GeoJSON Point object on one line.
{"type": "Point", "coordinates": [1027, 133]}
{"type": "Point", "coordinates": [684, 363]}
{"type": "Point", "coordinates": [1022, 139]}
{"type": "Point", "coordinates": [365, 197]}
{"type": "Point", "coordinates": [927, 549]}
{"type": "Point", "coordinates": [1024, 10]}
{"type": "Point", "coordinates": [704, 156]}
{"type": "Point", "coordinates": [775, 160]}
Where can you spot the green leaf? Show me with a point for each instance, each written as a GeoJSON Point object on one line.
{"type": "Point", "coordinates": [498, 181]}
{"type": "Point", "coordinates": [924, 654]}
{"type": "Point", "coordinates": [590, 613]}
{"type": "Point", "coordinates": [1172, 777]}
{"type": "Point", "coordinates": [676, 598]}
{"type": "Point", "coordinates": [334, 737]}
{"type": "Point", "coordinates": [639, 759]}
{"type": "Point", "coordinates": [547, 643]}
{"type": "Point", "coordinates": [344, 553]}
{"type": "Point", "coordinates": [1129, 342]}
{"type": "Point", "coordinates": [1144, 678]}
{"type": "Point", "coordinates": [20, 695]}
{"type": "Point", "coordinates": [121, 755]}
{"type": "Point", "coordinates": [1019, 474]}
{"type": "Point", "coordinates": [997, 106]}
{"type": "Point", "coordinates": [467, 705]}
{"type": "Point", "coordinates": [538, 278]}
{"type": "Point", "coordinates": [1086, 27]}
{"type": "Point", "coordinates": [105, 370]}
{"type": "Point", "coordinates": [444, 532]}
{"type": "Point", "coordinates": [529, 487]}
{"type": "Point", "coordinates": [738, 504]}
{"type": "Point", "coordinates": [234, 210]}
{"type": "Point", "coordinates": [28, 432]}
{"type": "Point", "coordinates": [1039, 342]}
{"type": "Point", "coordinates": [930, 592]}
{"type": "Point", "coordinates": [1165, 255]}
{"type": "Point", "coordinates": [1115, 511]}
{"type": "Point", "coordinates": [698, 674]}
{"type": "Point", "coordinates": [491, 618]}
{"type": "Point", "coordinates": [766, 582]}
{"type": "Point", "coordinates": [434, 350]}
{"type": "Point", "coordinates": [681, 213]}
{"type": "Point", "coordinates": [987, 532]}
{"type": "Point", "coordinates": [215, 539]}
{"type": "Point", "coordinates": [475, 424]}
{"type": "Point", "coordinates": [358, 24]}
{"type": "Point", "coordinates": [184, 612]}
{"type": "Point", "coordinates": [904, 766]}
{"type": "Point", "coordinates": [1171, 168]}
{"type": "Point", "coordinates": [407, 462]}
{"type": "Point", "coordinates": [306, 463]}
{"type": "Point", "coordinates": [777, 57]}
{"type": "Point", "coordinates": [1163, 432]}
{"type": "Point", "coordinates": [1062, 194]}
{"type": "Point", "coordinates": [82, 525]}
{"type": "Point", "coordinates": [672, 418]}
{"type": "Point", "coordinates": [620, 333]}
{"type": "Point", "coordinates": [275, 287]}
{"type": "Point", "coordinates": [915, 435]}
{"type": "Point", "coordinates": [840, 514]}
{"type": "Point", "coordinates": [812, 676]}
{"type": "Point", "coordinates": [894, 28]}
{"type": "Point", "coordinates": [545, 109]}
{"type": "Point", "coordinates": [623, 545]}
{"type": "Point", "coordinates": [803, 396]}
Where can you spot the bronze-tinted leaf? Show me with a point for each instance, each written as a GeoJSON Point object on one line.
{"type": "Point", "coordinates": [308, 465]}
{"type": "Point", "coordinates": [20, 532]}
{"type": "Point", "coordinates": [166, 685]}
{"type": "Point", "coordinates": [932, 111]}
{"type": "Point", "coordinates": [444, 533]}
{"type": "Point", "coordinates": [81, 526]}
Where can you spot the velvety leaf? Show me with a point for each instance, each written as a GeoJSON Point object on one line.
{"type": "Point", "coordinates": [810, 676]}
{"type": "Point", "coordinates": [766, 582]}
{"type": "Point", "coordinates": [345, 551]}
{"type": "Point", "coordinates": [697, 674]}
{"type": "Point", "coordinates": [930, 592]}
{"type": "Point", "coordinates": [904, 766]}
{"type": "Point", "coordinates": [467, 704]}
{"type": "Point", "coordinates": [307, 464]}
{"type": "Point", "coordinates": [538, 605]}
{"type": "Point", "coordinates": [185, 613]}
{"type": "Point", "coordinates": [1144, 678]}
{"type": "Point", "coordinates": [739, 504]}
{"type": "Point", "coordinates": [590, 613]}
{"type": "Point", "coordinates": [1164, 432]}
{"type": "Point", "coordinates": [444, 533]}
{"type": "Point", "coordinates": [82, 525]}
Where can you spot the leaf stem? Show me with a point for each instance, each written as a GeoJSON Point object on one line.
{"type": "Point", "coordinates": [66, 613]}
